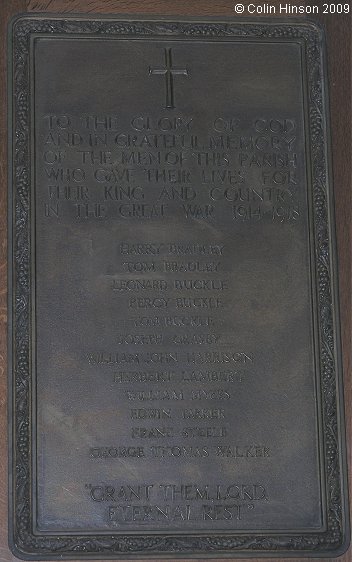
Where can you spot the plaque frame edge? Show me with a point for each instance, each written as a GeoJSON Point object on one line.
{"type": "Point", "coordinates": [317, 30]}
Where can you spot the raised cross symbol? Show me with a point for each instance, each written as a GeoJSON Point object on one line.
{"type": "Point", "coordinates": [169, 72]}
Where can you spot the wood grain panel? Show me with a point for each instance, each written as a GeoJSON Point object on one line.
{"type": "Point", "coordinates": [181, 7]}
{"type": "Point", "coordinates": [339, 57]}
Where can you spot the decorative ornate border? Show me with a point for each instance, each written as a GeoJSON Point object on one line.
{"type": "Point", "coordinates": [24, 542]}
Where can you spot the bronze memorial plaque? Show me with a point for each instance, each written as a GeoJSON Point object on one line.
{"type": "Point", "coordinates": [175, 360]}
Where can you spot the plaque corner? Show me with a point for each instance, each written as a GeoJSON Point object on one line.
{"type": "Point", "coordinates": [14, 21]}
{"type": "Point", "coordinates": [16, 549]}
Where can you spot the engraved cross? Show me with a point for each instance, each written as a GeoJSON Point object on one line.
{"type": "Point", "coordinates": [169, 72]}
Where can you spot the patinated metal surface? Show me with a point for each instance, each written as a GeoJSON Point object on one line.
{"type": "Point", "coordinates": [175, 352]}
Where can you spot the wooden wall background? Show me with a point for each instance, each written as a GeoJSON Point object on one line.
{"type": "Point", "coordinates": [339, 33]}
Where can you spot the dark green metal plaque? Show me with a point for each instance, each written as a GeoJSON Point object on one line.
{"type": "Point", "coordinates": [174, 344]}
